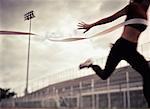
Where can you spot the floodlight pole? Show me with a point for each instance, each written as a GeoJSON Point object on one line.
{"type": "Point", "coordinates": [28, 16]}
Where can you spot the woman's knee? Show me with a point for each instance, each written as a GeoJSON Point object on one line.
{"type": "Point", "coordinates": [103, 75]}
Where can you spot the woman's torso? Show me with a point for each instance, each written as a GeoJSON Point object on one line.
{"type": "Point", "coordinates": [132, 31]}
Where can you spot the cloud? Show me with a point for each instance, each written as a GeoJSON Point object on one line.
{"type": "Point", "coordinates": [110, 5]}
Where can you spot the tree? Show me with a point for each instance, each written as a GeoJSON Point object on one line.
{"type": "Point", "coordinates": [6, 94]}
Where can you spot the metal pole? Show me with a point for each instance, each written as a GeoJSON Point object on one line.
{"type": "Point", "coordinates": [28, 60]}
{"type": "Point", "coordinates": [128, 90]}
{"type": "Point", "coordinates": [28, 16]}
{"type": "Point", "coordinates": [93, 96]}
{"type": "Point", "coordinates": [108, 95]}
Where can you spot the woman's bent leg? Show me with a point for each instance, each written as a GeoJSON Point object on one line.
{"type": "Point", "coordinates": [112, 61]}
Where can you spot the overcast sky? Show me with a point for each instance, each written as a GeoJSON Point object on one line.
{"type": "Point", "coordinates": [53, 18]}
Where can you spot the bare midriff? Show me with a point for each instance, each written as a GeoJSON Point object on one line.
{"type": "Point", "coordinates": [131, 34]}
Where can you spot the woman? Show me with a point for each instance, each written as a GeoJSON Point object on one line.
{"type": "Point", "coordinates": [125, 47]}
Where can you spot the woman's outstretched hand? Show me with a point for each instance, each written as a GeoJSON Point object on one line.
{"type": "Point", "coordinates": [85, 26]}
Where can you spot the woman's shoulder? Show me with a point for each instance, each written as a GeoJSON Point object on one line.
{"type": "Point", "coordinates": [135, 10]}
{"type": "Point", "coordinates": [135, 5]}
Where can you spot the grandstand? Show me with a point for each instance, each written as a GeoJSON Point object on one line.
{"type": "Point", "coordinates": [122, 90]}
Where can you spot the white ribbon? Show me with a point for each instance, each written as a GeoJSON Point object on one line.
{"type": "Point", "coordinates": [131, 21]}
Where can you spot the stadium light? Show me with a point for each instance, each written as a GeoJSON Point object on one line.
{"type": "Point", "coordinates": [28, 16]}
